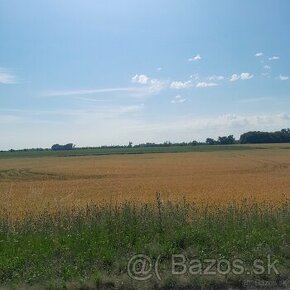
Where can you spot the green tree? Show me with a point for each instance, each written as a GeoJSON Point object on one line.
{"type": "Point", "coordinates": [210, 141]}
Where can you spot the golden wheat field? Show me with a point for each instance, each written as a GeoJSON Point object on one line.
{"type": "Point", "coordinates": [33, 184]}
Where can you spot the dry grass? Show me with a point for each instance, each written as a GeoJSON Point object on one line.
{"type": "Point", "coordinates": [30, 184]}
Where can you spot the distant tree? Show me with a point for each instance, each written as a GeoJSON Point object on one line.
{"type": "Point", "coordinates": [194, 143]}
{"type": "Point", "coordinates": [57, 147]}
{"type": "Point", "coordinates": [130, 145]}
{"type": "Point", "coordinates": [167, 143]}
{"type": "Point", "coordinates": [226, 140]}
{"type": "Point", "coordinates": [231, 139]}
{"type": "Point", "coordinates": [210, 141]}
{"type": "Point", "coordinates": [286, 131]}
{"type": "Point", "coordinates": [258, 137]}
{"type": "Point", "coordinates": [222, 140]}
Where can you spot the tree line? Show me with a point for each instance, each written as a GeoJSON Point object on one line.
{"type": "Point", "coordinates": [57, 147]}
{"type": "Point", "coordinates": [252, 137]}
{"type": "Point", "coordinates": [256, 137]}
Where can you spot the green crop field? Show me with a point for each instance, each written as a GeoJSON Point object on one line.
{"type": "Point", "coordinates": [134, 150]}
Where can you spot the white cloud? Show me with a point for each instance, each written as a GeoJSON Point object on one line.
{"type": "Point", "coordinates": [283, 78]}
{"type": "Point", "coordinates": [205, 85]}
{"type": "Point", "coordinates": [274, 57]}
{"type": "Point", "coordinates": [258, 54]}
{"type": "Point", "coordinates": [195, 58]}
{"type": "Point", "coordinates": [216, 78]}
{"type": "Point", "coordinates": [234, 78]}
{"type": "Point", "coordinates": [153, 85]}
{"type": "Point", "coordinates": [178, 100]}
{"type": "Point", "coordinates": [140, 79]}
{"type": "Point", "coordinates": [267, 67]}
{"type": "Point", "coordinates": [180, 85]}
{"type": "Point", "coordinates": [242, 76]}
{"type": "Point", "coordinates": [6, 78]}
{"type": "Point", "coordinates": [246, 76]}
{"type": "Point", "coordinates": [159, 68]}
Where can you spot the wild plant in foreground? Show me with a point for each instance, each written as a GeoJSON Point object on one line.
{"type": "Point", "coordinates": [68, 244]}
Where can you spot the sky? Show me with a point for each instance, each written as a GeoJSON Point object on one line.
{"type": "Point", "coordinates": [109, 72]}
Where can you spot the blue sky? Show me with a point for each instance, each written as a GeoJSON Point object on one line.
{"type": "Point", "coordinates": [107, 72]}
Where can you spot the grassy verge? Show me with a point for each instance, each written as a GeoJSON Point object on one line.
{"type": "Point", "coordinates": [90, 248]}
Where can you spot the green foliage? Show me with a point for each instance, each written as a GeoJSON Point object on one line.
{"type": "Point", "coordinates": [282, 136]}
{"type": "Point", "coordinates": [57, 147]}
{"type": "Point", "coordinates": [88, 243]}
{"type": "Point", "coordinates": [224, 140]}
{"type": "Point", "coordinates": [210, 141]}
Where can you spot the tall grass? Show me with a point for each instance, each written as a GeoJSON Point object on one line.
{"type": "Point", "coordinates": [91, 243]}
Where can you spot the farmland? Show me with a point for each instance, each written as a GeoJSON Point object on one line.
{"type": "Point", "coordinates": [217, 176]}
{"type": "Point", "coordinates": [87, 214]}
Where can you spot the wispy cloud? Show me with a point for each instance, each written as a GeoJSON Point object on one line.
{"type": "Point", "coordinates": [129, 109]}
{"type": "Point", "coordinates": [153, 85]}
{"type": "Point", "coordinates": [274, 57]}
{"type": "Point", "coordinates": [216, 78]}
{"type": "Point", "coordinates": [266, 67]}
{"type": "Point", "coordinates": [283, 78]}
{"type": "Point", "coordinates": [205, 85]}
{"type": "Point", "coordinates": [140, 79]}
{"type": "Point", "coordinates": [195, 58]}
{"type": "Point", "coordinates": [6, 77]}
{"type": "Point", "coordinates": [195, 82]}
{"type": "Point", "coordinates": [88, 99]}
{"type": "Point", "coordinates": [242, 76]}
{"type": "Point", "coordinates": [180, 85]}
{"type": "Point", "coordinates": [178, 100]}
{"type": "Point", "coordinates": [259, 54]}
{"type": "Point", "coordinates": [100, 111]}
{"type": "Point", "coordinates": [149, 87]}
{"type": "Point", "coordinates": [90, 91]}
